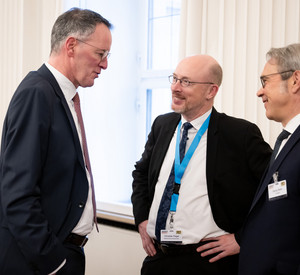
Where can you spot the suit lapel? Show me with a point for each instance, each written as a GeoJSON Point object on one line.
{"type": "Point", "coordinates": [163, 141]}
{"type": "Point", "coordinates": [45, 73]}
{"type": "Point", "coordinates": [167, 135]}
{"type": "Point", "coordinates": [268, 175]}
{"type": "Point", "coordinates": [212, 145]}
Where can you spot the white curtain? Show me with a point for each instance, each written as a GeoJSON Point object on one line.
{"type": "Point", "coordinates": [25, 41]}
{"type": "Point", "coordinates": [238, 33]}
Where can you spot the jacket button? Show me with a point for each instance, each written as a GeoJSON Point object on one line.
{"type": "Point", "coordinates": [81, 204]}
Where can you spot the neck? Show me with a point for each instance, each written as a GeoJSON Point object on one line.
{"type": "Point", "coordinates": [191, 117]}
{"type": "Point", "coordinates": [287, 120]}
{"type": "Point", "coordinates": [58, 62]}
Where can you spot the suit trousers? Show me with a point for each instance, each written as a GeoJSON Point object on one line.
{"type": "Point", "coordinates": [188, 263]}
{"type": "Point", "coordinates": [75, 264]}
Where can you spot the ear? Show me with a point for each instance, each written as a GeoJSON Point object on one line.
{"type": "Point", "coordinates": [296, 82]}
{"type": "Point", "coordinates": [70, 44]}
{"type": "Point", "coordinates": [212, 91]}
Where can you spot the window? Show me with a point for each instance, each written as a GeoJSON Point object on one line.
{"type": "Point", "coordinates": [121, 106]}
{"type": "Point", "coordinates": [163, 40]}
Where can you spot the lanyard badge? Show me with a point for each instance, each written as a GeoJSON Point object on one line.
{"type": "Point", "coordinates": [277, 189]}
{"type": "Point", "coordinates": [179, 168]}
{"type": "Point", "coordinates": [173, 235]}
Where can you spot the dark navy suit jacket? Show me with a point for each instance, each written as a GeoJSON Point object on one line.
{"type": "Point", "coordinates": [43, 183]}
{"type": "Point", "coordinates": [271, 237]}
{"type": "Point", "coordinates": [236, 159]}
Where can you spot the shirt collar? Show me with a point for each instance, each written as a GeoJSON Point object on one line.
{"type": "Point", "coordinates": [197, 123]}
{"type": "Point", "coordinates": [67, 87]}
{"type": "Point", "coordinates": [293, 124]}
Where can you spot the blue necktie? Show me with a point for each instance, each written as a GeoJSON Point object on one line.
{"type": "Point", "coordinates": [165, 202]}
{"type": "Point", "coordinates": [283, 135]}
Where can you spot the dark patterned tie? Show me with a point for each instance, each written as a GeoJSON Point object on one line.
{"type": "Point", "coordinates": [165, 202]}
{"type": "Point", "coordinates": [283, 135]}
{"type": "Point", "coordinates": [76, 101]}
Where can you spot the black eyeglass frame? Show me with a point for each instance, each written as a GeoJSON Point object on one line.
{"type": "Point", "coordinates": [263, 80]}
{"type": "Point", "coordinates": [184, 82]}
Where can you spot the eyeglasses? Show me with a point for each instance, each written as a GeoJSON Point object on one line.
{"type": "Point", "coordinates": [184, 82]}
{"type": "Point", "coordinates": [103, 55]}
{"type": "Point", "coordinates": [263, 80]}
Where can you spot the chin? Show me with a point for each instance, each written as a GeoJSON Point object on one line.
{"type": "Point", "coordinates": [90, 84]}
{"type": "Point", "coordinates": [270, 117]}
{"type": "Point", "coordinates": [177, 109]}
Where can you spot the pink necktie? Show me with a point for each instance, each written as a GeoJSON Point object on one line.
{"type": "Point", "coordinates": [76, 101]}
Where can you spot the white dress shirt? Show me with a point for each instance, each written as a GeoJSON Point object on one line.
{"type": "Point", "coordinates": [291, 128]}
{"type": "Point", "coordinates": [193, 216]}
{"type": "Point", "coordinates": [85, 224]}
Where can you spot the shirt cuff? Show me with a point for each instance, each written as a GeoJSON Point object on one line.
{"type": "Point", "coordinates": [62, 264]}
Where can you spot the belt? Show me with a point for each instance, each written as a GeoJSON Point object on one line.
{"type": "Point", "coordinates": [76, 240]}
{"type": "Point", "coordinates": [176, 249]}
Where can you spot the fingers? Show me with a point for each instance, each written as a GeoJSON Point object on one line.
{"type": "Point", "coordinates": [146, 240]}
{"type": "Point", "coordinates": [149, 247]}
{"type": "Point", "coordinates": [223, 246]}
{"type": "Point", "coordinates": [210, 248]}
{"type": "Point", "coordinates": [218, 257]}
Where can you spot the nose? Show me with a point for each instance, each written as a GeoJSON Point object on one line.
{"type": "Point", "coordinates": [104, 63]}
{"type": "Point", "coordinates": [260, 92]}
{"type": "Point", "coordinates": [176, 85]}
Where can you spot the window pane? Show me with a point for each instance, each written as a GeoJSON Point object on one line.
{"type": "Point", "coordinates": [110, 108]}
{"type": "Point", "coordinates": [120, 108]}
{"type": "Point", "coordinates": [163, 8]}
{"type": "Point", "coordinates": [158, 102]}
{"type": "Point", "coordinates": [161, 102]}
{"type": "Point", "coordinates": [163, 33]}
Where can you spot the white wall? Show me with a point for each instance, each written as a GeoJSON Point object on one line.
{"type": "Point", "coordinates": [114, 251]}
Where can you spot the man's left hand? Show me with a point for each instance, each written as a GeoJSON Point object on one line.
{"type": "Point", "coordinates": [224, 245]}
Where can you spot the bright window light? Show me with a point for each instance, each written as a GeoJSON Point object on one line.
{"type": "Point", "coordinates": [119, 109]}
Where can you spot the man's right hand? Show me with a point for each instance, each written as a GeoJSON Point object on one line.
{"type": "Point", "coordinates": [148, 243]}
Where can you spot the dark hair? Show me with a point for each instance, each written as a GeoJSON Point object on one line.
{"type": "Point", "coordinates": [78, 22]}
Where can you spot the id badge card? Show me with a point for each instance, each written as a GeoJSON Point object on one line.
{"type": "Point", "coordinates": [277, 190]}
{"type": "Point", "coordinates": [171, 236]}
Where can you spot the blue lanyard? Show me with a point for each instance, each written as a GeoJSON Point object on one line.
{"type": "Point", "coordinates": [179, 168]}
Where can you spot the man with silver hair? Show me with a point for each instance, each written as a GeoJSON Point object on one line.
{"type": "Point", "coordinates": [47, 205]}
{"type": "Point", "coordinates": [271, 235]}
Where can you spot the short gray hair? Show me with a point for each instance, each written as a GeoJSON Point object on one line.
{"type": "Point", "coordinates": [216, 74]}
{"type": "Point", "coordinates": [287, 58]}
{"type": "Point", "coordinates": [78, 22]}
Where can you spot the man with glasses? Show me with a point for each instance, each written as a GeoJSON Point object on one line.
{"type": "Point", "coordinates": [196, 179]}
{"type": "Point", "coordinates": [271, 235]}
{"type": "Point", "coordinates": [47, 205]}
